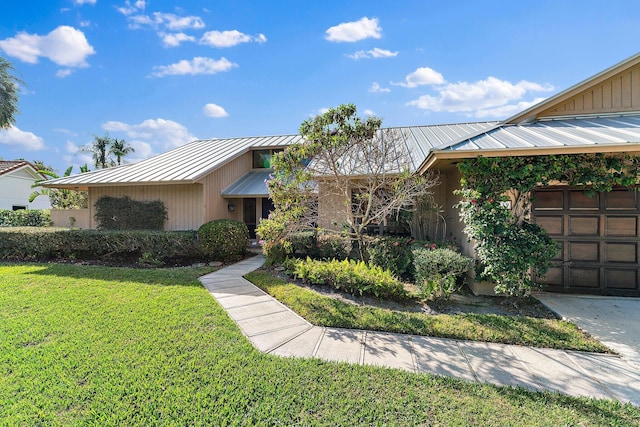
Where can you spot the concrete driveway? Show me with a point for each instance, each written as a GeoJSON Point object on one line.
{"type": "Point", "coordinates": [614, 321]}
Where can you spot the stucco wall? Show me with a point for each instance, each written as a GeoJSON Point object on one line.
{"type": "Point", "coordinates": [77, 218]}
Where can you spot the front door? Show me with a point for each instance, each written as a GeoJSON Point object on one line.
{"type": "Point", "coordinates": [249, 216]}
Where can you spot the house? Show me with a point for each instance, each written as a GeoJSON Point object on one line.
{"type": "Point", "coordinates": [16, 180]}
{"type": "Point", "coordinates": [224, 178]}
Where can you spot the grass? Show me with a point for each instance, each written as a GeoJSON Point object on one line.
{"type": "Point", "coordinates": [326, 311]}
{"type": "Point", "coordinates": [89, 345]}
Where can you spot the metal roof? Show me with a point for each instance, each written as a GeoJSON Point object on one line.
{"type": "Point", "coordinates": [190, 162]}
{"type": "Point", "coordinates": [554, 133]}
{"type": "Point", "coordinates": [185, 164]}
{"type": "Point", "coordinates": [253, 184]}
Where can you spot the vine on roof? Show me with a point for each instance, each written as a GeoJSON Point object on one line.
{"type": "Point", "coordinates": [496, 207]}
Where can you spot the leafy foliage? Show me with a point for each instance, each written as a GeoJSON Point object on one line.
{"type": "Point", "coordinates": [47, 244]}
{"type": "Point", "coordinates": [223, 239]}
{"type": "Point", "coordinates": [355, 277]}
{"type": "Point", "coordinates": [25, 218]}
{"type": "Point", "coordinates": [393, 254]}
{"type": "Point", "coordinates": [8, 94]}
{"type": "Point", "coordinates": [496, 201]}
{"type": "Point", "coordinates": [365, 170]}
{"type": "Point", "coordinates": [61, 198]}
{"type": "Point", "coordinates": [123, 213]}
{"type": "Point", "coordinates": [438, 270]}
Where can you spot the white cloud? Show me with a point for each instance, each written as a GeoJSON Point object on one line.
{"type": "Point", "coordinates": [376, 88]}
{"type": "Point", "coordinates": [198, 65]}
{"type": "Point", "coordinates": [129, 9]}
{"type": "Point", "coordinates": [151, 135]}
{"type": "Point", "coordinates": [173, 40]}
{"type": "Point", "coordinates": [85, 24]}
{"type": "Point", "coordinates": [65, 72]}
{"type": "Point", "coordinates": [168, 21]}
{"type": "Point", "coordinates": [422, 76]}
{"type": "Point", "coordinates": [21, 140]}
{"type": "Point", "coordinates": [354, 31]}
{"type": "Point", "coordinates": [369, 113]}
{"type": "Point", "coordinates": [229, 38]}
{"type": "Point", "coordinates": [506, 110]}
{"type": "Point", "coordinates": [483, 98]}
{"type": "Point", "coordinates": [374, 53]}
{"type": "Point", "coordinates": [213, 110]}
{"type": "Point", "coordinates": [81, 2]}
{"type": "Point", "coordinates": [64, 46]}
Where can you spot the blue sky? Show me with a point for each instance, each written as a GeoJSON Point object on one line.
{"type": "Point", "coordinates": [163, 73]}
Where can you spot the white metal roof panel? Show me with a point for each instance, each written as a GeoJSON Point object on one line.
{"type": "Point", "coordinates": [564, 132]}
{"type": "Point", "coordinates": [252, 184]}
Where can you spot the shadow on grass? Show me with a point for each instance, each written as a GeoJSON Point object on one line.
{"type": "Point", "coordinates": [176, 276]}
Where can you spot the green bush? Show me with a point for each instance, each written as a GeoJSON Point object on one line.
{"type": "Point", "coordinates": [320, 245]}
{"type": "Point", "coordinates": [437, 270]}
{"type": "Point", "coordinates": [123, 213]}
{"type": "Point", "coordinates": [223, 239]}
{"type": "Point", "coordinates": [125, 246]}
{"type": "Point", "coordinates": [393, 254]}
{"type": "Point", "coordinates": [355, 277]}
{"type": "Point", "coordinates": [25, 218]}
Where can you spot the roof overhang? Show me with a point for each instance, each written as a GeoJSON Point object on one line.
{"type": "Point", "coordinates": [251, 184]}
{"type": "Point", "coordinates": [444, 159]}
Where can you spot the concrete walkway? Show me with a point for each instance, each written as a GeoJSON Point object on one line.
{"type": "Point", "coordinates": [273, 328]}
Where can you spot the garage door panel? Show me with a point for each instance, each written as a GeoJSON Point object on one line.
{"type": "Point", "coordinates": [584, 251]}
{"type": "Point", "coordinates": [584, 278]}
{"type": "Point", "coordinates": [584, 225]}
{"type": "Point", "coordinates": [580, 200]}
{"type": "Point", "coordinates": [553, 277]}
{"type": "Point", "coordinates": [600, 238]}
{"type": "Point", "coordinates": [621, 199]}
{"type": "Point", "coordinates": [549, 200]}
{"type": "Point", "coordinates": [621, 252]}
{"type": "Point", "coordinates": [553, 224]}
{"type": "Point", "coordinates": [623, 279]}
{"type": "Point", "coordinates": [621, 226]}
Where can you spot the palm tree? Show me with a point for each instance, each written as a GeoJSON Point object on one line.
{"type": "Point", "coordinates": [8, 94]}
{"type": "Point", "coordinates": [100, 151]}
{"type": "Point", "coordinates": [120, 148]}
{"type": "Point", "coordinates": [61, 198]}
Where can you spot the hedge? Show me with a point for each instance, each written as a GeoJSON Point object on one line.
{"type": "Point", "coordinates": [25, 218]}
{"type": "Point", "coordinates": [143, 246]}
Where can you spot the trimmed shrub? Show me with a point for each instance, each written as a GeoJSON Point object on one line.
{"type": "Point", "coordinates": [123, 213]}
{"type": "Point", "coordinates": [437, 270]}
{"type": "Point", "coordinates": [223, 239]}
{"type": "Point", "coordinates": [320, 245]}
{"type": "Point", "coordinates": [25, 218]}
{"type": "Point", "coordinates": [393, 254]}
{"type": "Point", "coordinates": [126, 246]}
{"type": "Point", "coordinates": [355, 277]}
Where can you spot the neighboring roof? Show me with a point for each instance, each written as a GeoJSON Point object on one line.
{"type": "Point", "coordinates": [557, 135]}
{"type": "Point", "coordinates": [190, 162]}
{"type": "Point", "coordinates": [7, 166]}
{"type": "Point", "coordinates": [253, 184]}
{"type": "Point", "coordinates": [530, 113]}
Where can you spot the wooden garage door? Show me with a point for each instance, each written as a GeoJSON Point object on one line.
{"type": "Point", "coordinates": [598, 239]}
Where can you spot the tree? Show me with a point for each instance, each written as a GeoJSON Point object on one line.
{"type": "Point", "coordinates": [100, 151]}
{"type": "Point", "coordinates": [61, 198]}
{"type": "Point", "coordinates": [8, 94]}
{"type": "Point", "coordinates": [120, 149]}
{"type": "Point", "coordinates": [348, 172]}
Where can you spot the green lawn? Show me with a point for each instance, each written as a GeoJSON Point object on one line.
{"type": "Point", "coordinates": [325, 311]}
{"type": "Point", "coordinates": [86, 345]}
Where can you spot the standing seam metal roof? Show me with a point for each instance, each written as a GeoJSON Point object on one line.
{"type": "Point", "coordinates": [564, 132]}
{"type": "Point", "coordinates": [192, 161]}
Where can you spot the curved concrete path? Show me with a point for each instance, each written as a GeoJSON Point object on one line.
{"type": "Point", "coordinates": [273, 328]}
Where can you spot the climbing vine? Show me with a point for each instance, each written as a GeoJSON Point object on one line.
{"type": "Point", "coordinates": [496, 207]}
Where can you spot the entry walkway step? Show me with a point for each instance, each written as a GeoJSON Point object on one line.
{"type": "Point", "coordinates": [274, 328]}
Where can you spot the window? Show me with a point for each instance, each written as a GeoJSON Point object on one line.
{"type": "Point", "coordinates": [18, 207]}
{"type": "Point", "coordinates": [262, 158]}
